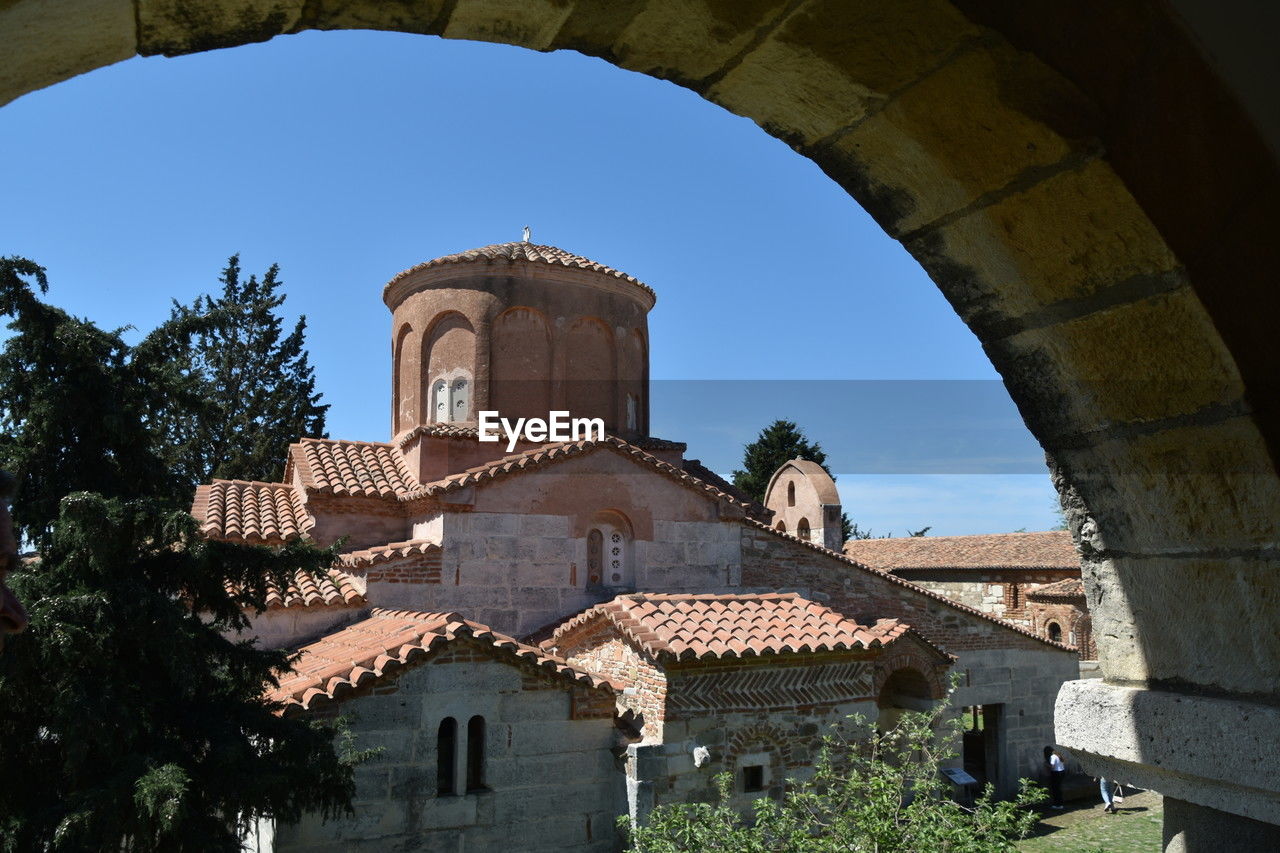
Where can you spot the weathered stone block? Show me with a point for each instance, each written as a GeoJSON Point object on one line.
{"type": "Point", "coordinates": [174, 27]}
{"type": "Point", "coordinates": [851, 53]}
{"type": "Point", "coordinates": [528, 23]}
{"type": "Point", "coordinates": [46, 41]}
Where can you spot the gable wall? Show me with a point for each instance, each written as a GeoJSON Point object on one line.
{"type": "Point", "coordinates": [532, 739]}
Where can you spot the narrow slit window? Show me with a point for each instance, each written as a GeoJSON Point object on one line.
{"type": "Point", "coordinates": [446, 753]}
{"type": "Point", "coordinates": [475, 754]}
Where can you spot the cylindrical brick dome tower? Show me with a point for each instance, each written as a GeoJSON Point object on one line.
{"type": "Point", "coordinates": [523, 330]}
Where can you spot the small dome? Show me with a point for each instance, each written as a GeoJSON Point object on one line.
{"type": "Point", "coordinates": [525, 252]}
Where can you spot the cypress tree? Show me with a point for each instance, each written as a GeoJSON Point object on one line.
{"type": "Point", "coordinates": [777, 444]}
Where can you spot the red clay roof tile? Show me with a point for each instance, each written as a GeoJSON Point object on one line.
{"type": "Point", "coordinates": [250, 512]}
{"type": "Point", "coordinates": [367, 557]}
{"type": "Point", "coordinates": [1051, 549]}
{"type": "Point", "coordinates": [523, 253]}
{"type": "Point", "coordinates": [707, 626]}
{"type": "Point", "coordinates": [1067, 588]}
{"type": "Point", "coordinates": [337, 589]}
{"type": "Point", "coordinates": [368, 468]}
{"type": "Point", "coordinates": [903, 582]}
{"type": "Point", "coordinates": [389, 639]}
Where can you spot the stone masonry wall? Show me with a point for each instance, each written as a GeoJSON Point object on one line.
{"type": "Point", "coordinates": [520, 572]}
{"type": "Point", "coordinates": [997, 665]}
{"type": "Point", "coordinates": [551, 781]}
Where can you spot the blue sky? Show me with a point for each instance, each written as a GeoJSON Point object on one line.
{"type": "Point", "coordinates": [347, 157]}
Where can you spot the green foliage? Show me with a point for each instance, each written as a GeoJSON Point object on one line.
{"type": "Point", "coordinates": [868, 792]}
{"type": "Point", "coordinates": [778, 443]}
{"type": "Point", "coordinates": [81, 410]}
{"type": "Point", "coordinates": [129, 720]}
{"type": "Point", "coordinates": [258, 387]}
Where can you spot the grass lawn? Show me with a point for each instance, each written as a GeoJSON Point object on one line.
{"type": "Point", "coordinates": [1085, 829]}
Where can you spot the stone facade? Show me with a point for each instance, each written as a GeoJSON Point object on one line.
{"type": "Point", "coordinates": [536, 728]}
{"type": "Point", "coordinates": [533, 540]}
{"type": "Point", "coordinates": [804, 501]}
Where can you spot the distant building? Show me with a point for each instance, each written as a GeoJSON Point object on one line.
{"type": "Point", "coordinates": [1030, 579]}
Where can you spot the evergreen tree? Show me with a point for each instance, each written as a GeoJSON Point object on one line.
{"type": "Point", "coordinates": [128, 720]}
{"type": "Point", "coordinates": [81, 410]}
{"type": "Point", "coordinates": [777, 444]}
{"type": "Point", "coordinates": [259, 384]}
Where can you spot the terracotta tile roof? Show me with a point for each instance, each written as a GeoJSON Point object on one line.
{"type": "Point", "coordinates": [521, 252]}
{"type": "Point", "coordinates": [903, 582]}
{"type": "Point", "coordinates": [386, 553]}
{"type": "Point", "coordinates": [254, 513]}
{"type": "Point", "coordinates": [1067, 588]}
{"type": "Point", "coordinates": [304, 590]}
{"type": "Point", "coordinates": [550, 454]}
{"type": "Point", "coordinates": [710, 626]}
{"type": "Point", "coordinates": [366, 651]}
{"type": "Point", "coordinates": [695, 468]}
{"type": "Point", "coordinates": [368, 468]}
{"type": "Point", "coordinates": [1051, 549]}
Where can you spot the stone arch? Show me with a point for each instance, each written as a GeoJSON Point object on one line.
{"type": "Point", "coordinates": [1103, 227]}
{"type": "Point", "coordinates": [611, 559]}
{"type": "Point", "coordinates": [759, 739]}
{"type": "Point", "coordinates": [589, 371]}
{"type": "Point", "coordinates": [449, 349]}
{"type": "Point", "coordinates": [520, 363]}
{"type": "Point", "coordinates": [405, 370]}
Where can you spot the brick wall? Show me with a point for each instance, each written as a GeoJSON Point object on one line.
{"type": "Point", "coordinates": [415, 568]}
{"type": "Point", "coordinates": [600, 648]}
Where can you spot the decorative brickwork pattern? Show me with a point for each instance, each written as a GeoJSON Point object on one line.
{"type": "Point", "coordinates": [803, 683]}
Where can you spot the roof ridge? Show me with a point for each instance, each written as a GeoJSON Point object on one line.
{"type": "Point", "coordinates": [892, 578]}
{"type": "Point", "coordinates": [553, 452]}
{"type": "Point", "coordinates": [520, 252]}
{"type": "Point", "coordinates": [378, 655]}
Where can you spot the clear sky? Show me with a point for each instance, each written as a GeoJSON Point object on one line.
{"type": "Point", "coordinates": [347, 157]}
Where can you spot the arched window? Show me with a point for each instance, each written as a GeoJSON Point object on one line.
{"type": "Point", "coordinates": [460, 409]}
{"type": "Point", "coordinates": [1055, 631]}
{"type": "Point", "coordinates": [791, 494]}
{"type": "Point", "coordinates": [609, 559]}
{"type": "Point", "coordinates": [475, 754]}
{"type": "Point", "coordinates": [446, 756]}
{"type": "Point", "coordinates": [440, 401]}
{"type": "Point", "coordinates": [802, 529]}
{"type": "Point", "coordinates": [781, 526]}
{"type": "Point", "coordinates": [595, 557]}
{"type": "Point", "coordinates": [633, 413]}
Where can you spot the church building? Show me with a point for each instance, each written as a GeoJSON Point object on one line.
{"type": "Point", "coordinates": [544, 632]}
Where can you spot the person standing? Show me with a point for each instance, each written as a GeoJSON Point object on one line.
{"type": "Point", "coordinates": [1107, 798]}
{"type": "Point", "coordinates": [1053, 762]}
